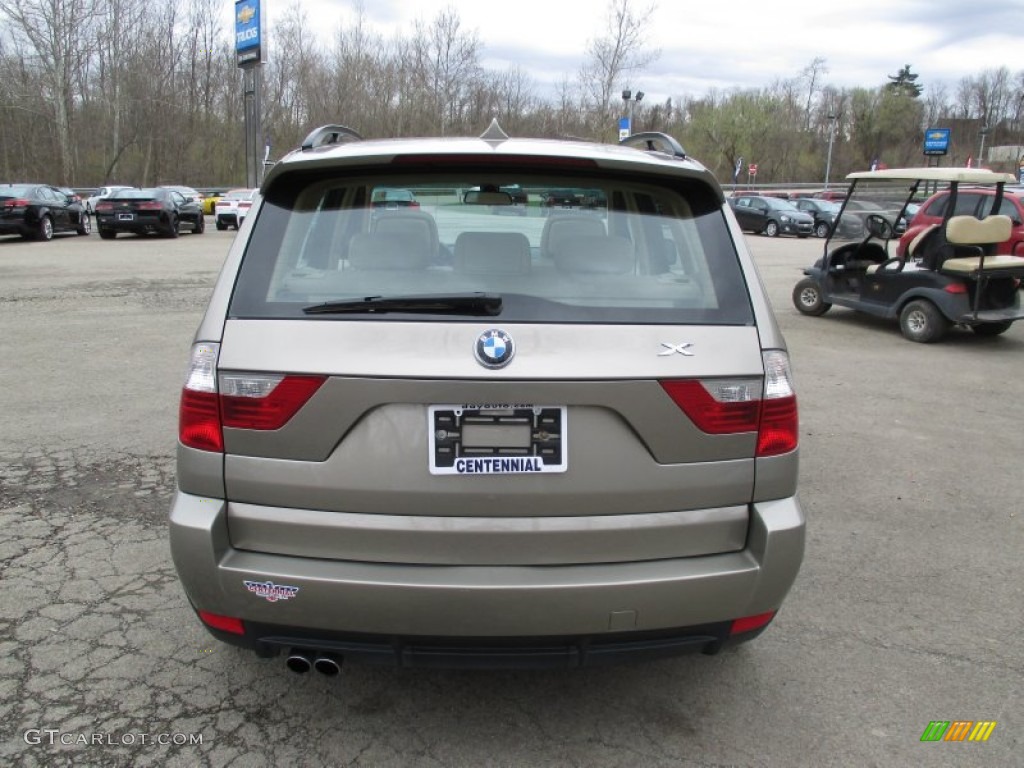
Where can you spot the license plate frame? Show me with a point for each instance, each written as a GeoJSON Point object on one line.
{"type": "Point", "coordinates": [497, 439]}
{"type": "Point", "coordinates": [126, 217]}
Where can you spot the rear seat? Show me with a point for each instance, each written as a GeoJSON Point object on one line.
{"type": "Point", "coordinates": [397, 251]}
{"type": "Point", "coordinates": [504, 253]}
{"type": "Point", "coordinates": [596, 255]}
{"type": "Point", "coordinates": [972, 239]}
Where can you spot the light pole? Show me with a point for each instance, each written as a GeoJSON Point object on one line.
{"type": "Point", "coordinates": [630, 99]}
{"type": "Point", "coordinates": [831, 138]}
{"type": "Point", "coordinates": [981, 148]}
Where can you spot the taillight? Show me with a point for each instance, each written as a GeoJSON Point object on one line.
{"type": "Point", "coordinates": [718, 407]}
{"type": "Point", "coordinates": [16, 203]}
{"type": "Point", "coordinates": [104, 207]}
{"type": "Point", "coordinates": [199, 414]}
{"type": "Point", "coordinates": [210, 402]}
{"type": "Point", "coordinates": [779, 431]}
{"type": "Point", "coordinates": [732, 406]}
{"type": "Point", "coordinates": [955, 288]}
{"type": "Point", "coordinates": [263, 401]}
{"type": "Point", "coordinates": [149, 205]}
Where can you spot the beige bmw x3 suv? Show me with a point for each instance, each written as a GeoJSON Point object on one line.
{"type": "Point", "coordinates": [481, 431]}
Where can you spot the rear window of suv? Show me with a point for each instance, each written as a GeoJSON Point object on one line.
{"type": "Point", "coordinates": [647, 252]}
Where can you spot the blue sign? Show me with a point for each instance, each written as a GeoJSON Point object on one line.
{"type": "Point", "coordinates": [248, 31]}
{"type": "Point", "coordinates": [625, 129]}
{"type": "Point", "coordinates": [936, 141]}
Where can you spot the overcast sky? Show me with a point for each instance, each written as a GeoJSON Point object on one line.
{"type": "Point", "coordinates": [721, 44]}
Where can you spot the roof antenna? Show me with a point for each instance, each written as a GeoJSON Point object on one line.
{"type": "Point", "coordinates": [494, 132]}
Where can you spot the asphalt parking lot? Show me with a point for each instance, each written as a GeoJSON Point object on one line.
{"type": "Point", "coordinates": [908, 608]}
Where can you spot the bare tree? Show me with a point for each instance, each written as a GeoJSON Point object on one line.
{"type": "Point", "coordinates": [446, 62]}
{"type": "Point", "coordinates": [614, 56]}
{"type": "Point", "coordinates": [57, 31]}
{"type": "Point", "coordinates": [811, 75]}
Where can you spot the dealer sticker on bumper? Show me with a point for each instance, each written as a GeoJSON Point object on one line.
{"type": "Point", "coordinates": [497, 439]}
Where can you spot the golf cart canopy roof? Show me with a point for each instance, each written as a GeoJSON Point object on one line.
{"type": "Point", "coordinates": [963, 175]}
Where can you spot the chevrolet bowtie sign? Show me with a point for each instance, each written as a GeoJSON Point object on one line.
{"type": "Point", "coordinates": [248, 32]}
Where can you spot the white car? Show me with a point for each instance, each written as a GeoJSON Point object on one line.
{"type": "Point", "coordinates": [233, 206]}
{"type": "Point", "coordinates": [101, 194]}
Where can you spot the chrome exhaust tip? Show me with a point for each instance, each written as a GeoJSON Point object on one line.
{"type": "Point", "coordinates": [328, 664]}
{"type": "Point", "coordinates": [299, 663]}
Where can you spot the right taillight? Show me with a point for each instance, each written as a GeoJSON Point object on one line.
{"type": "Point", "coordinates": [779, 431]}
{"type": "Point", "coordinates": [731, 406]}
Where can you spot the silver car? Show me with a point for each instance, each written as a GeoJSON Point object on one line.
{"type": "Point", "coordinates": [445, 436]}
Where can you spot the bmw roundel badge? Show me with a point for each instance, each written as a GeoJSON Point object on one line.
{"type": "Point", "coordinates": [494, 348]}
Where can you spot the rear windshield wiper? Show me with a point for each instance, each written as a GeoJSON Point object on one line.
{"type": "Point", "coordinates": [450, 304]}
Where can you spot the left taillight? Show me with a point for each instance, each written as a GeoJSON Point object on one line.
{"type": "Point", "coordinates": [199, 414]}
{"type": "Point", "coordinates": [211, 401]}
{"type": "Point", "coordinates": [731, 406]}
{"type": "Point", "coordinates": [263, 401]}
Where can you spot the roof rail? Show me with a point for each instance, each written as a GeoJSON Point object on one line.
{"type": "Point", "coordinates": [329, 134]}
{"type": "Point", "coordinates": [654, 141]}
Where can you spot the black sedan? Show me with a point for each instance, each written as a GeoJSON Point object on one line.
{"type": "Point", "coordinates": [149, 211]}
{"type": "Point", "coordinates": [37, 211]}
{"type": "Point", "coordinates": [771, 216]}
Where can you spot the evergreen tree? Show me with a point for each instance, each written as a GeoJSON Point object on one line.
{"type": "Point", "coordinates": [904, 82]}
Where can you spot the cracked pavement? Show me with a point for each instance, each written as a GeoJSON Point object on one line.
{"type": "Point", "coordinates": [907, 609]}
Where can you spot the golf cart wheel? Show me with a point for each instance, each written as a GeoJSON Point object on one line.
{"type": "Point", "coordinates": [922, 322]}
{"type": "Point", "coordinates": [807, 298]}
{"type": "Point", "coordinates": [992, 329]}
{"type": "Point", "coordinates": [771, 229]}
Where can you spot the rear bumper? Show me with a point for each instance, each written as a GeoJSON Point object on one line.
{"type": "Point", "coordinates": [625, 608]}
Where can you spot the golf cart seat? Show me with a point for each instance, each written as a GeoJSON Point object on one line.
{"type": "Point", "coordinates": [973, 238]}
{"type": "Point", "coordinates": [857, 256]}
{"type": "Point", "coordinates": [962, 237]}
{"type": "Point", "coordinates": [898, 263]}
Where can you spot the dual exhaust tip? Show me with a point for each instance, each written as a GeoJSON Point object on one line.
{"type": "Point", "coordinates": [327, 664]}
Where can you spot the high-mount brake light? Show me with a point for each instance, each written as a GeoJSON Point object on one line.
{"type": "Point", "coordinates": [733, 406]}
{"type": "Point", "coordinates": [263, 401]}
{"type": "Point", "coordinates": [495, 161]}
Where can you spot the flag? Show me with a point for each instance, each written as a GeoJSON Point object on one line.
{"type": "Point", "coordinates": [737, 169]}
{"type": "Point", "coordinates": [874, 164]}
